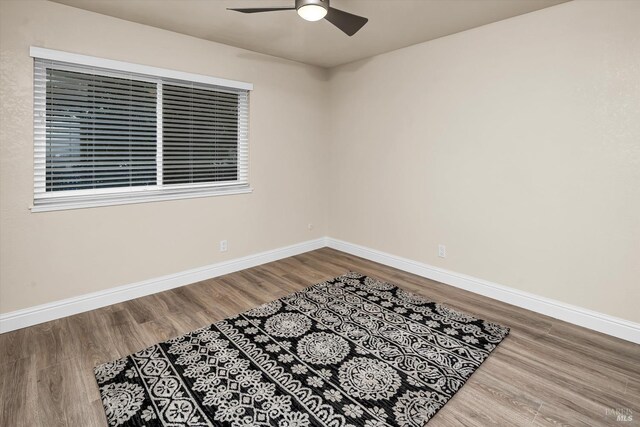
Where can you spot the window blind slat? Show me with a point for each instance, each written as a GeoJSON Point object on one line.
{"type": "Point", "coordinates": [70, 145]}
{"type": "Point", "coordinates": [82, 113]}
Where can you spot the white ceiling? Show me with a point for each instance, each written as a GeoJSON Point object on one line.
{"type": "Point", "coordinates": [393, 24]}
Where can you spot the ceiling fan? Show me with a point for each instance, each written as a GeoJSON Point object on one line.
{"type": "Point", "coordinates": [315, 10]}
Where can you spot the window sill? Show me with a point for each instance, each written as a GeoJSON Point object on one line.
{"type": "Point", "coordinates": [67, 203]}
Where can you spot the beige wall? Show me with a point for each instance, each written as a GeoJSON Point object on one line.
{"type": "Point", "coordinates": [516, 144]}
{"type": "Point", "coordinates": [49, 256]}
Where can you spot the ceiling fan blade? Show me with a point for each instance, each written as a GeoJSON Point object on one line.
{"type": "Point", "coordinates": [262, 9]}
{"type": "Point", "coordinates": [347, 22]}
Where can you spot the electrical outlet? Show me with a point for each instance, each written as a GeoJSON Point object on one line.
{"type": "Point", "coordinates": [310, 226]}
{"type": "Point", "coordinates": [223, 246]}
{"type": "Point", "coordinates": [442, 251]}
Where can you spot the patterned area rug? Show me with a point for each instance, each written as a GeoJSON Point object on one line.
{"type": "Point", "coordinates": [353, 351]}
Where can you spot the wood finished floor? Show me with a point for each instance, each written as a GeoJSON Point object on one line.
{"type": "Point", "coordinates": [546, 372]}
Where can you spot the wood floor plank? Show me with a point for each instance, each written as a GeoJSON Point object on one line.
{"type": "Point", "coordinates": [63, 398]}
{"type": "Point", "coordinates": [608, 350]}
{"type": "Point", "coordinates": [18, 392]}
{"type": "Point", "coordinates": [473, 411]}
{"type": "Point", "coordinates": [89, 337]}
{"type": "Point", "coordinates": [546, 372]}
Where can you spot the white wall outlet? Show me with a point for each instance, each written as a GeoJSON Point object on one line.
{"type": "Point", "coordinates": [223, 246]}
{"type": "Point", "coordinates": [442, 251]}
{"type": "Point", "coordinates": [310, 226]}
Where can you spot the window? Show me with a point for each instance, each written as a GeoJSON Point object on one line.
{"type": "Point", "coordinates": [110, 133]}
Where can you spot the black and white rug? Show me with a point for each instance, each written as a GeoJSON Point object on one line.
{"type": "Point", "coordinates": [352, 351]}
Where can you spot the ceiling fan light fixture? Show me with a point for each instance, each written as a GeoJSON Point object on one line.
{"type": "Point", "coordinates": [312, 10]}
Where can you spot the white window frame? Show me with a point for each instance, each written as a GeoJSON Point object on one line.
{"type": "Point", "coordinates": [74, 199]}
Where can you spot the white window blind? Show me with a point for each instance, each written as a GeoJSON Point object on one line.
{"type": "Point", "coordinates": [105, 136]}
{"type": "Point", "coordinates": [200, 135]}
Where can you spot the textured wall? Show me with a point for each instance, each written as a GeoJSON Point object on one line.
{"type": "Point", "coordinates": [516, 144]}
{"type": "Point", "coordinates": [53, 255]}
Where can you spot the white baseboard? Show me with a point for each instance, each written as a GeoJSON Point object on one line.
{"type": "Point", "coordinates": [67, 307]}
{"type": "Point", "coordinates": [604, 323]}
{"type": "Point", "coordinates": [600, 322]}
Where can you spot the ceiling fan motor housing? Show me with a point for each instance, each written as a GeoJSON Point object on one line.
{"type": "Point", "coordinates": [322, 3]}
